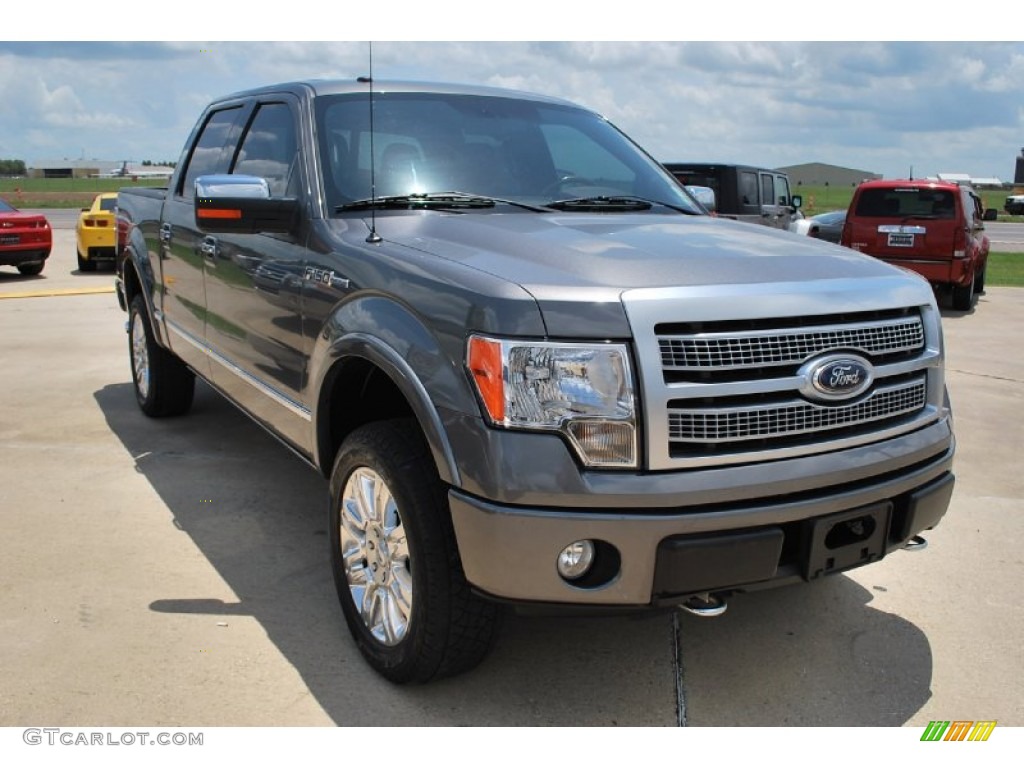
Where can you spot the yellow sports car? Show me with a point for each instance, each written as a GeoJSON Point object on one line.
{"type": "Point", "coordinates": [95, 234]}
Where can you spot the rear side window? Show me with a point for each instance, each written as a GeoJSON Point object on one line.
{"type": "Point", "coordinates": [748, 188]}
{"type": "Point", "coordinates": [900, 203]}
{"type": "Point", "coordinates": [701, 179]}
{"type": "Point", "coordinates": [767, 190]}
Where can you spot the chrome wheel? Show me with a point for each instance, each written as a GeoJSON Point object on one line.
{"type": "Point", "coordinates": [376, 556]}
{"type": "Point", "coordinates": [140, 357]}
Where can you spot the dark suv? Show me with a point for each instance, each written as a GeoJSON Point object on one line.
{"type": "Point", "coordinates": [743, 192]}
{"type": "Point", "coordinates": [933, 228]}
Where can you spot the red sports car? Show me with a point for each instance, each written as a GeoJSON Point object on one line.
{"type": "Point", "coordinates": [25, 239]}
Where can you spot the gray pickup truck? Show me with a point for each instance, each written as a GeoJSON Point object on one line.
{"type": "Point", "coordinates": [533, 370]}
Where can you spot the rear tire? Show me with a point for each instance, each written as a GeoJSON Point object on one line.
{"type": "Point", "coordinates": [963, 295]}
{"type": "Point", "coordinates": [979, 280]}
{"type": "Point", "coordinates": [84, 265]}
{"type": "Point", "coordinates": [395, 560]}
{"type": "Point", "coordinates": [31, 269]}
{"type": "Point", "coordinates": [163, 385]}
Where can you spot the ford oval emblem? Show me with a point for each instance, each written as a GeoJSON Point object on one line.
{"type": "Point", "coordinates": [836, 377]}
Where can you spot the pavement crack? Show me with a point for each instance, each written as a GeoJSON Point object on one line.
{"type": "Point", "coordinates": [677, 670]}
{"type": "Point", "coordinates": [985, 375]}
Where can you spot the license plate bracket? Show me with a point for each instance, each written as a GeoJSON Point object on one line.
{"type": "Point", "coordinates": [846, 540]}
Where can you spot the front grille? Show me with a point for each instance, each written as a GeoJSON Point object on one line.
{"type": "Point", "coordinates": [783, 420]}
{"type": "Point", "coordinates": [733, 350]}
{"type": "Point", "coordinates": [728, 371]}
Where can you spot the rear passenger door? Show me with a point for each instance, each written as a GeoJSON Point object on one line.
{"type": "Point", "coordinates": [748, 196]}
{"type": "Point", "coordinates": [183, 289]}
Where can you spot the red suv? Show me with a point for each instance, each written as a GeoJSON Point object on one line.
{"type": "Point", "coordinates": [933, 228]}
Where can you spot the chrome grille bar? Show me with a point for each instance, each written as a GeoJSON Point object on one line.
{"type": "Point", "coordinates": [780, 420]}
{"type": "Point", "coordinates": [751, 349]}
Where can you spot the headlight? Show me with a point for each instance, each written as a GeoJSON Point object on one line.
{"type": "Point", "coordinates": [584, 391]}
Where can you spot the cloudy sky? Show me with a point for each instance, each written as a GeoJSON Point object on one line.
{"type": "Point", "coordinates": [877, 106]}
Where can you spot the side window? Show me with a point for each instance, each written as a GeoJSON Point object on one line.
{"type": "Point", "coordinates": [768, 189]}
{"type": "Point", "coordinates": [748, 188]}
{"type": "Point", "coordinates": [269, 149]}
{"type": "Point", "coordinates": [781, 190]}
{"type": "Point", "coordinates": [208, 154]}
{"type": "Point", "coordinates": [972, 207]}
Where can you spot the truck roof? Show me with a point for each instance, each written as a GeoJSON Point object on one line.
{"type": "Point", "coordinates": [322, 87]}
{"type": "Point", "coordinates": [891, 183]}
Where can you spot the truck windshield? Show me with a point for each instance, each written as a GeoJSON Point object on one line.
{"type": "Point", "coordinates": [507, 149]}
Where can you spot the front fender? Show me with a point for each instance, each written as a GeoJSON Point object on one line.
{"type": "Point", "coordinates": [427, 370]}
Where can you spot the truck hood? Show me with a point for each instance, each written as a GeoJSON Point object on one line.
{"type": "Point", "coordinates": [589, 260]}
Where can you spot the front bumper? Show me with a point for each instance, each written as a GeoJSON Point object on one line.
{"type": "Point", "coordinates": [662, 556]}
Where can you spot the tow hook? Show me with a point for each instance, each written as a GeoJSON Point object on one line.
{"type": "Point", "coordinates": [704, 605]}
{"type": "Point", "coordinates": [916, 544]}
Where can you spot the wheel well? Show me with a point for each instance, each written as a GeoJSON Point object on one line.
{"type": "Point", "coordinates": [366, 393]}
{"type": "Point", "coordinates": [132, 285]}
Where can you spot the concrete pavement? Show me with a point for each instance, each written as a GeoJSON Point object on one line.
{"type": "Point", "coordinates": [176, 573]}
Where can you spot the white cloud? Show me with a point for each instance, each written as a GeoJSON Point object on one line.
{"type": "Point", "coordinates": [876, 106]}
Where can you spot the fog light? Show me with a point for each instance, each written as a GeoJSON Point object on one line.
{"type": "Point", "coordinates": [575, 560]}
{"type": "Point", "coordinates": [604, 443]}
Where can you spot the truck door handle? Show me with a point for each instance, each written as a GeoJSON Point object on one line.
{"type": "Point", "coordinates": [210, 249]}
{"type": "Point", "coordinates": [165, 233]}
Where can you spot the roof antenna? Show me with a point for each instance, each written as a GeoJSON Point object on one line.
{"type": "Point", "coordinates": [373, 237]}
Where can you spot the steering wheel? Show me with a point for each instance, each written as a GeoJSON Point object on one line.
{"type": "Point", "coordinates": [566, 179]}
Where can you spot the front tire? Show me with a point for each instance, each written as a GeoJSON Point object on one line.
{"type": "Point", "coordinates": [395, 560]}
{"type": "Point", "coordinates": [164, 385]}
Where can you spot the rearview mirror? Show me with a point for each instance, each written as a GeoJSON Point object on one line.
{"type": "Point", "coordinates": [703, 195]}
{"type": "Point", "coordinates": [241, 204]}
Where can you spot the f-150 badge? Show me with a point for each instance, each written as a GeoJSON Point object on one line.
{"type": "Point", "coordinates": [324, 276]}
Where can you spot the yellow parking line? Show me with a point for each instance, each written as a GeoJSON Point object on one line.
{"type": "Point", "coordinates": [57, 292]}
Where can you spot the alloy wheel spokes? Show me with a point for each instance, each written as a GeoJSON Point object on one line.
{"type": "Point", "coordinates": [140, 357]}
{"type": "Point", "coordinates": [375, 555]}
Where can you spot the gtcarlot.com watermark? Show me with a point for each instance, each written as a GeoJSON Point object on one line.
{"type": "Point", "coordinates": [69, 737]}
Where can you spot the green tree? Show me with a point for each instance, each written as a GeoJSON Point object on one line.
{"type": "Point", "coordinates": [12, 167]}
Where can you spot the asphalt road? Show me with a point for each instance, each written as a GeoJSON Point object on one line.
{"type": "Point", "coordinates": [175, 572]}
{"type": "Point", "coordinates": [1005, 237]}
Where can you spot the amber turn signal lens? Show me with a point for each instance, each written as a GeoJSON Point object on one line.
{"type": "Point", "coordinates": [485, 365]}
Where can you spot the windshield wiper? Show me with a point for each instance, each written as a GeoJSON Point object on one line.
{"type": "Point", "coordinates": [614, 203]}
{"type": "Point", "coordinates": [420, 200]}
{"type": "Point", "coordinates": [447, 200]}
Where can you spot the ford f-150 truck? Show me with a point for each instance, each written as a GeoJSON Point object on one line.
{"type": "Point", "coordinates": [532, 369]}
